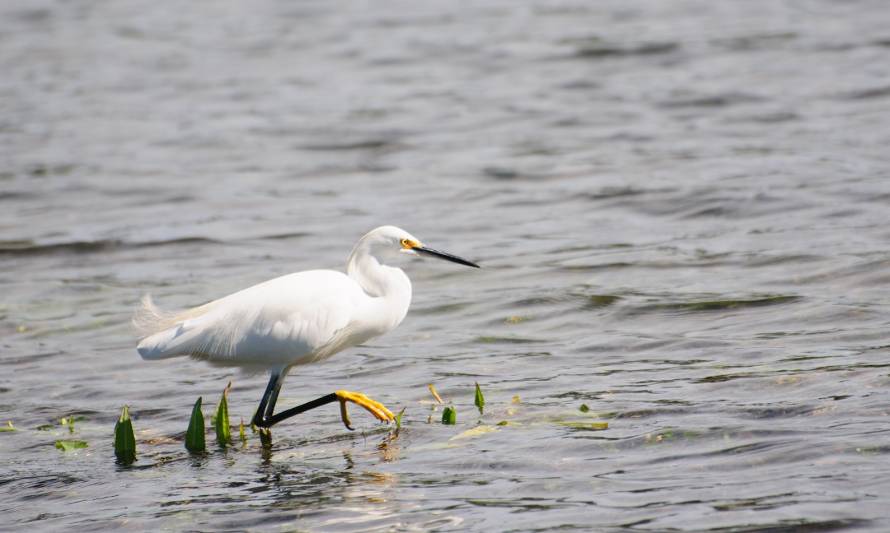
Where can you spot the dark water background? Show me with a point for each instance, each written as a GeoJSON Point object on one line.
{"type": "Point", "coordinates": [681, 207]}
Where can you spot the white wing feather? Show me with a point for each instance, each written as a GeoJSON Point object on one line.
{"type": "Point", "coordinates": [288, 320]}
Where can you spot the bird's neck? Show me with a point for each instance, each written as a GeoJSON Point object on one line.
{"type": "Point", "coordinates": [379, 280]}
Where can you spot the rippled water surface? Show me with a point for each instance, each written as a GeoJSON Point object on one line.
{"type": "Point", "coordinates": [681, 208]}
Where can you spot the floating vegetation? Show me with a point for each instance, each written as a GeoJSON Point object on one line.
{"type": "Point", "coordinates": [221, 422]}
{"type": "Point", "coordinates": [474, 432]}
{"type": "Point", "coordinates": [449, 416]}
{"type": "Point", "coordinates": [596, 301]}
{"type": "Point", "coordinates": [515, 319]}
{"type": "Point", "coordinates": [589, 426]}
{"type": "Point", "coordinates": [124, 439]}
{"type": "Point", "coordinates": [69, 421]}
{"type": "Point", "coordinates": [584, 408]}
{"type": "Point", "coordinates": [479, 400]}
{"type": "Point", "coordinates": [722, 305]}
{"type": "Point", "coordinates": [8, 427]}
{"type": "Point", "coordinates": [194, 436]}
{"type": "Point", "coordinates": [71, 445]}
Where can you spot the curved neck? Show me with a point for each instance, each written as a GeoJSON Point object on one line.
{"type": "Point", "coordinates": [376, 279]}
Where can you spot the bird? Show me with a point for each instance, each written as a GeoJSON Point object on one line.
{"type": "Point", "coordinates": [296, 319]}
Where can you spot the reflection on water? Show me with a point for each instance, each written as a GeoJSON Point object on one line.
{"type": "Point", "coordinates": [680, 209]}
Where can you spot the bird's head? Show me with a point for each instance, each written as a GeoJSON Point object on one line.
{"type": "Point", "coordinates": [389, 243]}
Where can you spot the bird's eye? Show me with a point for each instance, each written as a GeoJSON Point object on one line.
{"type": "Point", "coordinates": [406, 243]}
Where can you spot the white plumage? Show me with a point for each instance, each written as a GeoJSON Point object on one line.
{"type": "Point", "coordinates": [293, 319]}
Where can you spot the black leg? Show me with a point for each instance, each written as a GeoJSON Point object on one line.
{"type": "Point", "coordinates": [273, 387]}
{"type": "Point", "coordinates": [265, 417]}
{"type": "Point", "coordinates": [294, 411]}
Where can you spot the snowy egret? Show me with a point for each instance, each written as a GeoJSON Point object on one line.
{"type": "Point", "coordinates": [295, 319]}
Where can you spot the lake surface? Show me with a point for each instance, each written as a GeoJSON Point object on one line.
{"type": "Point", "coordinates": [681, 209]}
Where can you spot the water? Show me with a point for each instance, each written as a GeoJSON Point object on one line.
{"type": "Point", "coordinates": [681, 209]}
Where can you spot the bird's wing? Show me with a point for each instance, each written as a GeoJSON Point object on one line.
{"type": "Point", "coordinates": [276, 322]}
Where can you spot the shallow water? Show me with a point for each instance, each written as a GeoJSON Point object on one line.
{"type": "Point", "coordinates": [681, 209]}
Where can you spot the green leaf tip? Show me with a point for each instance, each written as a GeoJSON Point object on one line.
{"type": "Point", "coordinates": [124, 438]}
{"type": "Point", "coordinates": [449, 416]}
{"type": "Point", "coordinates": [194, 435]}
{"type": "Point", "coordinates": [479, 400]}
{"type": "Point", "coordinates": [7, 427]}
{"type": "Point", "coordinates": [398, 418]}
{"type": "Point", "coordinates": [223, 430]}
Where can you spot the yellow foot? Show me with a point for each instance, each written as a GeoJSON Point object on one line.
{"type": "Point", "coordinates": [375, 408]}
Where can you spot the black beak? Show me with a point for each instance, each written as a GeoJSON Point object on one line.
{"type": "Point", "coordinates": [442, 255]}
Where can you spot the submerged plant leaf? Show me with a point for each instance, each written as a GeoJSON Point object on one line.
{"type": "Point", "coordinates": [449, 416]}
{"type": "Point", "coordinates": [589, 426]}
{"type": "Point", "coordinates": [45, 427]}
{"type": "Point", "coordinates": [223, 430]}
{"type": "Point", "coordinates": [124, 439]}
{"type": "Point", "coordinates": [584, 408]}
{"type": "Point", "coordinates": [7, 427]}
{"type": "Point", "coordinates": [70, 445]}
{"type": "Point", "coordinates": [479, 400]}
{"type": "Point", "coordinates": [474, 432]}
{"type": "Point", "coordinates": [194, 436]}
{"type": "Point", "coordinates": [435, 394]}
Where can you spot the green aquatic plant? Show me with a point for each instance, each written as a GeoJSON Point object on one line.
{"type": "Point", "coordinates": [242, 434]}
{"type": "Point", "coordinates": [449, 416]}
{"type": "Point", "coordinates": [194, 436]}
{"type": "Point", "coordinates": [398, 419]}
{"type": "Point", "coordinates": [71, 445]}
{"type": "Point", "coordinates": [584, 408]}
{"type": "Point", "coordinates": [479, 400]}
{"type": "Point", "coordinates": [124, 439]}
{"type": "Point", "coordinates": [7, 427]}
{"type": "Point", "coordinates": [221, 422]}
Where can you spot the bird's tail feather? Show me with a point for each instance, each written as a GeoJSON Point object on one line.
{"type": "Point", "coordinates": [150, 319]}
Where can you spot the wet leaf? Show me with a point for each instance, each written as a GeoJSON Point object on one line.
{"type": "Point", "coordinates": [242, 434]}
{"type": "Point", "coordinates": [7, 427]}
{"type": "Point", "coordinates": [475, 432]}
{"type": "Point", "coordinates": [589, 426]}
{"type": "Point", "coordinates": [45, 427]}
{"type": "Point", "coordinates": [449, 416]}
{"type": "Point", "coordinates": [435, 394]}
{"type": "Point", "coordinates": [223, 430]}
{"type": "Point", "coordinates": [584, 408]}
{"type": "Point", "coordinates": [479, 401]}
{"type": "Point", "coordinates": [124, 439]}
{"type": "Point", "coordinates": [398, 418]}
{"type": "Point", "coordinates": [70, 445]}
{"type": "Point", "coordinates": [515, 399]}
{"type": "Point", "coordinates": [194, 436]}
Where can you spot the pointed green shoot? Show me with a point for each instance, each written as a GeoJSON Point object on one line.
{"type": "Point", "coordinates": [194, 436]}
{"type": "Point", "coordinates": [124, 439]}
{"type": "Point", "coordinates": [223, 431]}
{"type": "Point", "coordinates": [398, 419]}
{"type": "Point", "coordinates": [449, 416]}
{"type": "Point", "coordinates": [242, 434]}
{"type": "Point", "coordinates": [480, 400]}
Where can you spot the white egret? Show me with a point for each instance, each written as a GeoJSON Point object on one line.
{"type": "Point", "coordinates": [295, 319]}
